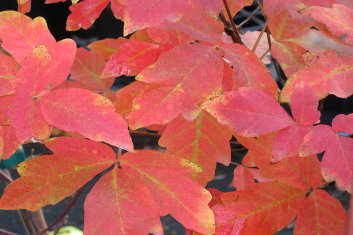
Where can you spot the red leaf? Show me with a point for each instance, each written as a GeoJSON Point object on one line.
{"type": "Point", "coordinates": [304, 106]}
{"type": "Point", "coordinates": [43, 69]}
{"type": "Point", "coordinates": [107, 47]}
{"type": "Point", "coordinates": [198, 142]}
{"type": "Point", "coordinates": [8, 70]}
{"type": "Point", "coordinates": [155, 173]}
{"type": "Point", "coordinates": [209, 29]}
{"type": "Point", "coordinates": [87, 69]}
{"type": "Point", "coordinates": [282, 148]}
{"type": "Point", "coordinates": [5, 104]}
{"type": "Point", "coordinates": [73, 164]}
{"type": "Point", "coordinates": [124, 205]}
{"type": "Point", "coordinates": [131, 59]}
{"type": "Point", "coordinates": [182, 77]}
{"type": "Point", "coordinates": [20, 34]}
{"type": "Point", "coordinates": [243, 178]}
{"type": "Point", "coordinates": [149, 13]}
{"type": "Point", "coordinates": [90, 114]}
{"type": "Point", "coordinates": [338, 20]}
{"type": "Point", "coordinates": [263, 208]}
{"type": "Point", "coordinates": [298, 172]}
{"type": "Point", "coordinates": [329, 75]}
{"type": "Point", "coordinates": [343, 123]}
{"type": "Point", "coordinates": [259, 150]}
{"type": "Point", "coordinates": [237, 110]}
{"type": "Point", "coordinates": [321, 214]}
{"type": "Point", "coordinates": [8, 142]}
{"type": "Point", "coordinates": [125, 97]}
{"type": "Point", "coordinates": [84, 14]}
{"type": "Point", "coordinates": [337, 163]}
{"type": "Point", "coordinates": [248, 70]}
{"type": "Point", "coordinates": [24, 6]}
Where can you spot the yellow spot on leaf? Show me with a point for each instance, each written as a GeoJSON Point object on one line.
{"type": "Point", "coordinates": [137, 106]}
{"type": "Point", "coordinates": [41, 52]}
{"type": "Point", "coordinates": [101, 100]}
{"type": "Point", "coordinates": [190, 164]}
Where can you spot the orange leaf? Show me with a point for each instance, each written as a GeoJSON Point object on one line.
{"type": "Point", "coordinates": [237, 110]}
{"type": "Point", "coordinates": [182, 77]}
{"type": "Point", "coordinates": [87, 69]}
{"type": "Point", "coordinates": [321, 214]}
{"type": "Point", "coordinates": [73, 164]}
{"type": "Point", "coordinates": [298, 172]}
{"type": "Point", "coordinates": [154, 174]}
{"type": "Point", "coordinates": [131, 59]}
{"type": "Point", "coordinates": [263, 208]}
{"type": "Point", "coordinates": [329, 75]}
{"type": "Point", "coordinates": [338, 19]}
{"type": "Point", "coordinates": [90, 114]}
{"type": "Point", "coordinates": [20, 34]}
{"type": "Point", "coordinates": [203, 142]}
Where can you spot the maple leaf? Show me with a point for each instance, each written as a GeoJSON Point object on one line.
{"type": "Point", "coordinates": [237, 110]}
{"type": "Point", "coordinates": [153, 174]}
{"type": "Point", "coordinates": [197, 142]}
{"type": "Point", "coordinates": [338, 20]}
{"type": "Point", "coordinates": [263, 208]}
{"type": "Point", "coordinates": [91, 115]}
{"type": "Point", "coordinates": [313, 217]}
{"type": "Point", "coordinates": [74, 162]}
{"type": "Point", "coordinates": [182, 77]}
{"type": "Point", "coordinates": [328, 75]}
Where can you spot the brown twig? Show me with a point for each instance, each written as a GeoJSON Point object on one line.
{"type": "Point", "coordinates": [238, 149]}
{"type": "Point", "coordinates": [5, 177]}
{"type": "Point", "coordinates": [5, 232]}
{"type": "Point", "coordinates": [144, 133]}
{"type": "Point", "coordinates": [235, 32]}
{"type": "Point", "coordinates": [64, 213]}
{"type": "Point", "coordinates": [259, 37]}
{"type": "Point", "coordinates": [248, 18]}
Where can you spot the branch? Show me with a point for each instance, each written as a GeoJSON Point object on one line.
{"type": "Point", "coordinates": [5, 232]}
{"type": "Point", "coordinates": [65, 212]}
{"type": "Point", "coordinates": [235, 32]}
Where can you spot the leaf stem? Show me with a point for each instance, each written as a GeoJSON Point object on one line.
{"type": "Point", "coordinates": [235, 32]}
{"type": "Point", "coordinates": [5, 177]}
{"type": "Point", "coordinates": [144, 133]}
{"type": "Point", "coordinates": [259, 37]}
{"type": "Point", "coordinates": [64, 213]}
{"type": "Point", "coordinates": [249, 17]}
{"type": "Point", "coordinates": [5, 232]}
